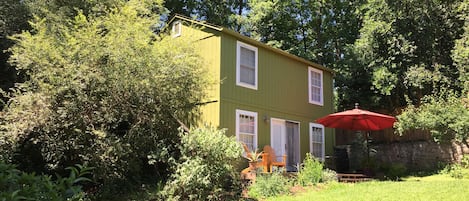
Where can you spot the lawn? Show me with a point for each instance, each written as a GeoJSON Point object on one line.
{"type": "Point", "coordinates": [436, 187]}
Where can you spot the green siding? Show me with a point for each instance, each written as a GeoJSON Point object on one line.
{"type": "Point", "coordinates": [282, 91]}
{"type": "Point", "coordinates": [207, 41]}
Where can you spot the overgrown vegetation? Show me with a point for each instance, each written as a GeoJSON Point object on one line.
{"type": "Point", "coordinates": [268, 185]}
{"type": "Point", "coordinates": [275, 184]}
{"type": "Point", "coordinates": [18, 185]}
{"type": "Point", "coordinates": [205, 170]}
{"type": "Point", "coordinates": [458, 170]}
{"type": "Point", "coordinates": [103, 91]}
{"type": "Point", "coordinates": [328, 176]}
{"type": "Point", "coordinates": [310, 172]}
{"type": "Point", "coordinates": [445, 116]}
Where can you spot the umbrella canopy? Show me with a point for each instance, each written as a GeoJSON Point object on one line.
{"type": "Point", "coordinates": [357, 119]}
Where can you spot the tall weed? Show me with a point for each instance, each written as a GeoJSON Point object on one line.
{"type": "Point", "coordinates": [310, 171]}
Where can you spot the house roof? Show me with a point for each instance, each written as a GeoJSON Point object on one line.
{"type": "Point", "coordinates": [250, 40]}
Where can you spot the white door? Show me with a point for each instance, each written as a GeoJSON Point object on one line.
{"type": "Point", "coordinates": [277, 137]}
{"type": "Point", "coordinates": [284, 139]}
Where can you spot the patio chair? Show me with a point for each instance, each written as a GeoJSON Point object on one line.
{"type": "Point", "coordinates": [273, 162]}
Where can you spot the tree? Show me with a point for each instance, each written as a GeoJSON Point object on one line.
{"type": "Point", "coordinates": [103, 91]}
{"type": "Point", "coordinates": [221, 13]}
{"type": "Point", "coordinates": [407, 47]}
{"type": "Point", "coordinates": [460, 53]}
{"type": "Point", "coordinates": [14, 17]}
{"type": "Point", "coordinates": [320, 31]}
{"type": "Point", "coordinates": [444, 115]}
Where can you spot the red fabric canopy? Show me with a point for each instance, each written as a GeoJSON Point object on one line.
{"type": "Point", "coordinates": [357, 119]}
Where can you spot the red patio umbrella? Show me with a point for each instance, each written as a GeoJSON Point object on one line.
{"type": "Point", "coordinates": [357, 119]}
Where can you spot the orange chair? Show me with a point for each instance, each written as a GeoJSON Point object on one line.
{"type": "Point", "coordinates": [272, 161]}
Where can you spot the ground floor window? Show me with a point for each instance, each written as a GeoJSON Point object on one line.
{"type": "Point", "coordinates": [246, 128]}
{"type": "Point", "coordinates": [316, 136]}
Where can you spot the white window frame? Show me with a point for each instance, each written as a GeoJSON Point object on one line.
{"type": "Point", "coordinates": [173, 29]}
{"type": "Point", "coordinates": [238, 65]}
{"type": "Point", "coordinates": [247, 113]}
{"type": "Point", "coordinates": [310, 86]}
{"type": "Point", "coordinates": [311, 125]}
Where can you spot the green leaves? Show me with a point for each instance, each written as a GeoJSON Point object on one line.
{"type": "Point", "coordinates": [445, 117]}
{"type": "Point", "coordinates": [17, 185]}
{"type": "Point", "coordinates": [103, 90]}
{"type": "Point", "coordinates": [408, 45]}
{"type": "Point", "coordinates": [310, 171]}
{"type": "Point", "coordinates": [206, 169]}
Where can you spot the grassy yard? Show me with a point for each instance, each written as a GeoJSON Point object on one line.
{"type": "Point", "coordinates": [436, 187]}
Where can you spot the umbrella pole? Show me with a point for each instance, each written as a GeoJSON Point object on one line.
{"type": "Point", "coordinates": [367, 147]}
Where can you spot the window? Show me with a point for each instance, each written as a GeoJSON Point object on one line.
{"type": "Point", "coordinates": [315, 86]}
{"type": "Point", "coordinates": [316, 136]}
{"type": "Point", "coordinates": [246, 128]}
{"type": "Point", "coordinates": [246, 65]}
{"type": "Point", "coordinates": [176, 30]}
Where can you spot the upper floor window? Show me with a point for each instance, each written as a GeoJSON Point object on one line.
{"type": "Point", "coordinates": [246, 128]}
{"type": "Point", "coordinates": [176, 29]}
{"type": "Point", "coordinates": [316, 137]}
{"type": "Point", "coordinates": [246, 65]}
{"type": "Point", "coordinates": [315, 86]}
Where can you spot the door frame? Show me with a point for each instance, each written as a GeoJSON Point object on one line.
{"type": "Point", "coordinates": [298, 150]}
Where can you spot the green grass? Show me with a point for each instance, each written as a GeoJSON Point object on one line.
{"type": "Point", "coordinates": [436, 187]}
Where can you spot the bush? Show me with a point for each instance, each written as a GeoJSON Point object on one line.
{"type": "Point", "coordinates": [458, 170]}
{"type": "Point", "coordinates": [329, 175]}
{"type": "Point", "coordinates": [443, 114]}
{"type": "Point", "coordinates": [17, 185]}
{"type": "Point", "coordinates": [103, 91]}
{"type": "Point", "coordinates": [394, 171]}
{"type": "Point", "coordinates": [205, 170]}
{"type": "Point", "coordinates": [268, 185]}
{"type": "Point", "coordinates": [310, 171]}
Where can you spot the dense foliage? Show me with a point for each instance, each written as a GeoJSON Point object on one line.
{"type": "Point", "coordinates": [269, 185]}
{"type": "Point", "coordinates": [446, 117]}
{"type": "Point", "coordinates": [205, 170]}
{"type": "Point", "coordinates": [14, 17]}
{"type": "Point", "coordinates": [18, 185]}
{"type": "Point", "coordinates": [458, 170]}
{"type": "Point", "coordinates": [311, 171]}
{"type": "Point", "coordinates": [406, 48]}
{"type": "Point", "coordinates": [103, 91]}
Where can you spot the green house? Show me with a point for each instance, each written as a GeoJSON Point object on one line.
{"type": "Point", "coordinates": [265, 96]}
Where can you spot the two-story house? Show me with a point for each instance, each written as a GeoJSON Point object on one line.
{"type": "Point", "coordinates": [265, 96]}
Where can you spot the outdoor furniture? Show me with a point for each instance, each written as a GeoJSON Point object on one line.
{"type": "Point", "coordinates": [272, 158]}
{"type": "Point", "coordinates": [357, 119]}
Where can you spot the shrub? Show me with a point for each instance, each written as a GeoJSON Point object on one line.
{"type": "Point", "coordinates": [18, 185]}
{"type": "Point", "coordinates": [310, 171]}
{"type": "Point", "coordinates": [396, 171]}
{"type": "Point", "coordinates": [268, 185]}
{"type": "Point", "coordinates": [329, 175]}
{"type": "Point", "coordinates": [205, 170]}
{"type": "Point", "coordinates": [102, 90]}
{"type": "Point", "coordinates": [392, 171]}
{"type": "Point", "coordinates": [443, 114]}
{"type": "Point", "coordinates": [458, 170]}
